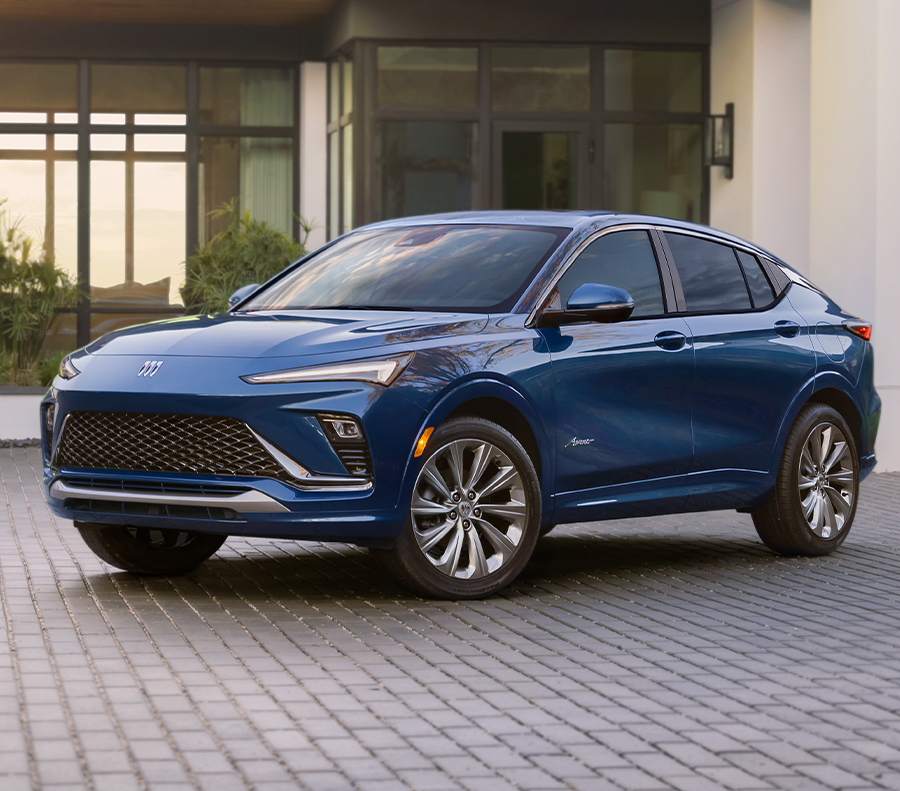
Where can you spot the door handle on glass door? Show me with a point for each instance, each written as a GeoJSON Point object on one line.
{"type": "Point", "coordinates": [670, 340]}
{"type": "Point", "coordinates": [787, 329]}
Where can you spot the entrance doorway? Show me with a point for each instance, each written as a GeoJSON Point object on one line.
{"type": "Point", "coordinates": [540, 166]}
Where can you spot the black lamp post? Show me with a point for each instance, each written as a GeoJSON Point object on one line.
{"type": "Point", "coordinates": [718, 140]}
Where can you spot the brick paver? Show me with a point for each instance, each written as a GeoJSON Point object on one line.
{"type": "Point", "coordinates": [667, 653]}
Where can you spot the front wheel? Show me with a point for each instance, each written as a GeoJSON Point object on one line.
{"type": "Point", "coordinates": [474, 516]}
{"type": "Point", "coordinates": [811, 509]}
{"type": "Point", "coordinates": [147, 550]}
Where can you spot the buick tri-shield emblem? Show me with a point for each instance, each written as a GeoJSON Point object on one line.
{"type": "Point", "coordinates": [150, 368]}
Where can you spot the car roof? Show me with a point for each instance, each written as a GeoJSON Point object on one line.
{"type": "Point", "coordinates": [574, 220]}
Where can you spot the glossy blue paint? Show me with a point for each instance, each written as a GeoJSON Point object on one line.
{"type": "Point", "coordinates": [648, 415]}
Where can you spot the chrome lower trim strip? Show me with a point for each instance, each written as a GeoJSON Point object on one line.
{"type": "Point", "coordinates": [310, 480]}
{"type": "Point", "coordinates": [248, 502]}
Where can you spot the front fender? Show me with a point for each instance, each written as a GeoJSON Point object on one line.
{"type": "Point", "coordinates": [488, 387]}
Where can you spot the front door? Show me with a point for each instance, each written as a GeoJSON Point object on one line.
{"type": "Point", "coordinates": [540, 165]}
{"type": "Point", "coordinates": [623, 391]}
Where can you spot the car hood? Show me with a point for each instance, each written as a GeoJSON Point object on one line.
{"type": "Point", "coordinates": [284, 333]}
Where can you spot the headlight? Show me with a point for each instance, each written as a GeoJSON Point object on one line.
{"type": "Point", "coordinates": [66, 369]}
{"type": "Point", "coordinates": [382, 371]}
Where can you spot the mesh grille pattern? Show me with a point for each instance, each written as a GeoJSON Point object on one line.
{"type": "Point", "coordinates": [199, 444]}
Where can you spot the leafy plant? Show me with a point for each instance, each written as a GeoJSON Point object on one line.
{"type": "Point", "coordinates": [47, 368]}
{"type": "Point", "coordinates": [246, 251]}
{"type": "Point", "coordinates": [32, 290]}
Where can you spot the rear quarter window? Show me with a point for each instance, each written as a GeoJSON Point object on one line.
{"type": "Point", "coordinates": [710, 275]}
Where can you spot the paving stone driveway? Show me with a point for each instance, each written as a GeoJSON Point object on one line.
{"type": "Point", "coordinates": [674, 652]}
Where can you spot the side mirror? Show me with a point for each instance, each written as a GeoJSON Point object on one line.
{"type": "Point", "coordinates": [591, 302]}
{"type": "Point", "coordinates": [241, 294]}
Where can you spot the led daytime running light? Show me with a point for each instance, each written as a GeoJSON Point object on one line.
{"type": "Point", "coordinates": [381, 371]}
{"type": "Point", "coordinates": [66, 369]}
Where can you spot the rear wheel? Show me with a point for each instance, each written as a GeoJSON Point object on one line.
{"type": "Point", "coordinates": [146, 550]}
{"type": "Point", "coordinates": [811, 509]}
{"type": "Point", "coordinates": [474, 517]}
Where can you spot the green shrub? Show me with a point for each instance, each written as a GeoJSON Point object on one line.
{"type": "Point", "coordinates": [247, 251]}
{"type": "Point", "coordinates": [32, 290]}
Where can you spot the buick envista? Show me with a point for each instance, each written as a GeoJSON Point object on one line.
{"type": "Point", "coordinates": [445, 389]}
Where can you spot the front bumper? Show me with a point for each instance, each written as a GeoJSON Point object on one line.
{"type": "Point", "coordinates": [367, 512]}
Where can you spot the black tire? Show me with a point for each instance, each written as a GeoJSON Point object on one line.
{"type": "Point", "coordinates": [544, 530]}
{"type": "Point", "coordinates": [782, 522]}
{"type": "Point", "coordinates": [148, 550]}
{"type": "Point", "coordinates": [415, 567]}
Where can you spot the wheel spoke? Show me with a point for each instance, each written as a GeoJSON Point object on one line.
{"type": "Point", "coordinates": [435, 479]}
{"type": "Point", "coordinates": [477, 560]}
{"type": "Point", "coordinates": [450, 559]}
{"type": "Point", "coordinates": [840, 505]}
{"type": "Point", "coordinates": [498, 538]}
{"type": "Point", "coordinates": [841, 476]}
{"type": "Point", "coordinates": [807, 504]}
{"type": "Point", "coordinates": [483, 455]}
{"type": "Point", "coordinates": [807, 466]}
{"type": "Point", "coordinates": [806, 483]}
{"type": "Point", "coordinates": [422, 507]}
{"type": "Point", "coordinates": [824, 446]}
{"type": "Point", "coordinates": [830, 524]}
{"type": "Point", "coordinates": [455, 460]}
{"type": "Point", "coordinates": [500, 481]}
{"type": "Point", "coordinates": [818, 516]}
{"type": "Point", "coordinates": [840, 450]}
{"type": "Point", "coordinates": [510, 510]}
{"type": "Point", "coordinates": [428, 538]}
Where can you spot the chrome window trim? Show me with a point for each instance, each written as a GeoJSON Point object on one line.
{"type": "Point", "coordinates": [548, 289]}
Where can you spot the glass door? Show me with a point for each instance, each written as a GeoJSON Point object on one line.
{"type": "Point", "coordinates": [540, 165]}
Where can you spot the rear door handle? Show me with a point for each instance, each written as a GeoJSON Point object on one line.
{"type": "Point", "coordinates": [670, 340]}
{"type": "Point", "coordinates": [787, 329]}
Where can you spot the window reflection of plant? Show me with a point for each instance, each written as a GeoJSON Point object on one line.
{"type": "Point", "coordinates": [246, 251]}
{"type": "Point", "coordinates": [32, 293]}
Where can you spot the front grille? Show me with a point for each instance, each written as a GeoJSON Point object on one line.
{"type": "Point", "coordinates": [201, 444]}
{"type": "Point", "coordinates": [357, 460]}
{"type": "Point", "coordinates": [152, 509]}
{"type": "Point", "coordinates": [155, 487]}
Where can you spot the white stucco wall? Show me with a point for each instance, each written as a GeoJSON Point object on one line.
{"type": "Point", "coordinates": [313, 148]}
{"type": "Point", "coordinates": [20, 416]}
{"type": "Point", "coordinates": [760, 60]}
{"type": "Point", "coordinates": [855, 180]}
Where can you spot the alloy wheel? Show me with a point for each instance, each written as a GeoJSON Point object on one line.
{"type": "Point", "coordinates": [826, 480]}
{"type": "Point", "coordinates": [469, 509]}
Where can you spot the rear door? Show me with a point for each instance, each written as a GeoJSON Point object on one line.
{"type": "Point", "coordinates": [753, 354]}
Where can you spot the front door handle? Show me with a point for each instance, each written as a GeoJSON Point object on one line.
{"type": "Point", "coordinates": [787, 329]}
{"type": "Point", "coordinates": [670, 340]}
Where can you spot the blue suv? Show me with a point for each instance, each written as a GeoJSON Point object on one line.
{"type": "Point", "coordinates": [446, 389]}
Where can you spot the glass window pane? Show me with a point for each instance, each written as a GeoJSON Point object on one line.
{"type": "Point", "coordinates": [348, 87]}
{"type": "Point", "coordinates": [710, 275]}
{"type": "Point", "coordinates": [159, 142]}
{"type": "Point", "coordinates": [23, 118]}
{"type": "Point", "coordinates": [334, 184]}
{"type": "Point", "coordinates": [540, 170]}
{"type": "Point", "coordinates": [253, 171]}
{"type": "Point", "coordinates": [428, 78]}
{"type": "Point", "coordinates": [160, 119]}
{"type": "Point", "coordinates": [624, 260]}
{"type": "Point", "coordinates": [107, 142]}
{"type": "Point", "coordinates": [107, 224]}
{"type": "Point", "coordinates": [108, 118]}
{"type": "Point", "coordinates": [44, 205]}
{"type": "Point", "coordinates": [334, 91]}
{"type": "Point", "coordinates": [347, 132]}
{"type": "Point", "coordinates": [23, 142]}
{"type": "Point", "coordinates": [38, 86]}
{"type": "Point", "coordinates": [247, 97]}
{"type": "Point", "coordinates": [138, 89]}
{"type": "Point", "coordinates": [540, 78]}
{"type": "Point", "coordinates": [159, 232]}
{"type": "Point", "coordinates": [65, 142]}
{"type": "Point", "coordinates": [760, 289]}
{"type": "Point", "coordinates": [426, 167]}
{"type": "Point", "coordinates": [651, 81]}
{"type": "Point", "coordinates": [654, 169]}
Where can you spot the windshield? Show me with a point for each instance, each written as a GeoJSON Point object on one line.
{"type": "Point", "coordinates": [480, 268]}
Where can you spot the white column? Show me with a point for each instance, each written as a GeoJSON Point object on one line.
{"type": "Point", "coordinates": [313, 148]}
{"type": "Point", "coordinates": [760, 61]}
{"type": "Point", "coordinates": [855, 181]}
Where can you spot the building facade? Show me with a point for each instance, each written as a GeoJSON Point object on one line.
{"type": "Point", "coordinates": [123, 129]}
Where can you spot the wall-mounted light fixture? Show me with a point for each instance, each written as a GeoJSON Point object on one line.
{"type": "Point", "coordinates": [718, 140]}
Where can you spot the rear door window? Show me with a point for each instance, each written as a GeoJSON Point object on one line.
{"type": "Point", "coordinates": [710, 275]}
{"type": "Point", "coordinates": [624, 259]}
{"type": "Point", "coordinates": [760, 288]}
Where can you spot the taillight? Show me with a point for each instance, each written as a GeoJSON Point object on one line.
{"type": "Point", "coordinates": [861, 329]}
